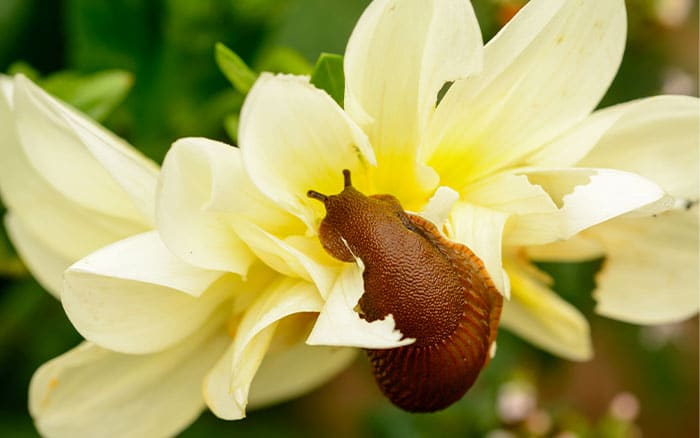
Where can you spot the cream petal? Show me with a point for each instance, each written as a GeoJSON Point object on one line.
{"type": "Point", "coordinates": [541, 317]}
{"type": "Point", "coordinates": [339, 324]}
{"type": "Point", "coordinates": [656, 137]}
{"type": "Point", "coordinates": [509, 192]}
{"type": "Point", "coordinates": [579, 248]}
{"type": "Point", "coordinates": [650, 275]}
{"type": "Point", "coordinates": [294, 256]}
{"type": "Point", "coordinates": [481, 230]}
{"type": "Point", "coordinates": [68, 150]}
{"type": "Point", "coordinates": [46, 265]}
{"type": "Point", "coordinates": [295, 138]}
{"type": "Point", "coordinates": [90, 391]}
{"type": "Point", "coordinates": [227, 386]}
{"type": "Point", "coordinates": [140, 311]}
{"type": "Point", "coordinates": [304, 368]}
{"type": "Point", "coordinates": [63, 227]}
{"type": "Point", "coordinates": [196, 174]}
{"type": "Point", "coordinates": [399, 56]}
{"type": "Point", "coordinates": [585, 197]}
{"type": "Point", "coordinates": [543, 72]}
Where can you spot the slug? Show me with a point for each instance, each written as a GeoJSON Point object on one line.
{"type": "Point", "coordinates": [438, 292]}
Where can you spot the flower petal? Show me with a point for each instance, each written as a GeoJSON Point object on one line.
{"type": "Point", "coordinates": [577, 249]}
{"type": "Point", "coordinates": [134, 297]}
{"type": "Point", "coordinates": [73, 230]}
{"type": "Point", "coordinates": [585, 197]}
{"type": "Point", "coordinates": [45, 265]}
{"type": "Point", "coordinates": [481, 230]}
{"type": "Point", "coordinates": [68, 149]}
{"type": "Point", "coordinates": [544, 71]}
{"type": "Point", "coordinates": [227, 385]}
{"type": "Point", "coordinates": [90, 391]}
{"type": "Point", "coordinates": [295, 256]}
{"type": "Point", "coordinates": [202, 182]}
{"type": "Point", "coordinates": [295, 138]}
{"type": "Point", "coordinates": [656, 137]}
{"type": "Point", "coordinates": [650, 275]}
{"type": "Point", "coordinates": [340, 325]}
{"type": "Point", "coordinates": [541, 317]}
{"type": "Point", "coordinates": [304, 368]}
{"type": "Point", "coordinates": [399, 56]}
{"type": "Point", "coordinates": [509, 192]}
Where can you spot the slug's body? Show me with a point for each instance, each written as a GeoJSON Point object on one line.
{"type": "Point", "coordinates": [437, 291]}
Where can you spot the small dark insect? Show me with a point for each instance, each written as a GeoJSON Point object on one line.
{"type": "Point", "coordinates": [438, 292]}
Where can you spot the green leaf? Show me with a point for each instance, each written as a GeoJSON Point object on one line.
{"type": "Point", "coordinates": [22, 67]}
{"type": "Point", "coordinates": [235, 70]}
{"type": "Point", "coordinates": [328, 75]}
{"type": "Point", "coordinates": [280, 59]}
{"type": "Point", "coordinates": [231, 123]}
{"type": "Point", "coordinates": [97, 94]}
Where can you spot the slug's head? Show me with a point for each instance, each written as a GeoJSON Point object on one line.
{"type": "Point", "coordinates": [352, 219]}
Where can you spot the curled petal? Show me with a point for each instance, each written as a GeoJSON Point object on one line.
{"type": "Point", "coordinates": [585, 197]}
{"type": "Point", "coordinates": [135, 297]}
{"type": "Point", "coordinates": [295, 138]}
{"type": "Point", "coordinates": [339, 324]}
{"type": "Point", "coordinates": [90, 391]}
{"type": "Point", "coordinates": [227, 386]}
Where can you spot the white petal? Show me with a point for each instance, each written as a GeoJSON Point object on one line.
{"type": "Point", "coordinates": [140, 310]}
{"type": "Point", "coordinates": [295, 256]}
{"type": "Point", "coordinates": [586, 197]}
{"type": "Point", "coordinates": [63, 227]}
{"type": "Point", "coordinates": [304, 368]}
{"type": "Point", "coordinates": [45, 265]}
{"type": "Point", "coordinates": [226, 387]}
{"type": "Point", "coordinates": [81, 160]}
{"type": "Point", "coordinates": [338, 323]}
{"type": "Point", "coordinates": [544, 71]}
{"type": "Point", "coordinates": [541, 317]}
{"type": "Point", "coordinates": [295, 138]}
{"type": "Point", "coordinates": [89, 391]}
{"type": "Point", "coordinates": [577, 249]}
{"type": "Point", "coordinates": [650, 275]}
{"type": "Point", "coordinates": [399, 56]}
{"type": "Point", "coordinates": [481, 230]}
{"type": "Point", "coordinates": [438, 208]}
{"type": "Point", "coordinates": [196, 173]}
{"type": "Point", "coordinates": [509, 192]}
{"type": "Point", "coordinates": [656, 137]}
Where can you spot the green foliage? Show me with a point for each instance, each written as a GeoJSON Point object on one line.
{"type": "Point", "coordinates": [235, 70]}
{"type": "Point", "coordinates": [328, 75]}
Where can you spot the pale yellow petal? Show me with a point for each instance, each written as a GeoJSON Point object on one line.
{"type": "Point", "coordinates": [541, 317]}
{"type": "Point", "coordinates": [585, 197]}
{"type": "Point", "coordinates": [90, 391]}
{"type": "Point", "coordinates": [399, 56]}
{"type": "Point", "coordinates": [545, 71]}
{"type": "Point", "coordinates": [295, 138]}
{"type": "Point", "coordinates": [481, 230]}
{"type": "Point", "coordinates": [195, 172]}
{"type": "Point", "coordinates": [45, 265]}
{"type": "Point", "coordinates": [140, 311]}
{"type": "Point", "coordinates": [650, 275]}
{"type": "Point", "coordinates": [577, 249]}
{"type": "Point", "coordinates": [66, 228]}
{"type": "Point", "coordinates": [226, 388]}
{"type": "Point", "coordinates": [81, 160]}
{"type": "Point", "coordinates": [339, 324]}
{"type": "Point", "coordinates": [656, 137]}
{"type": "Point", "coordinates": [304, 368]}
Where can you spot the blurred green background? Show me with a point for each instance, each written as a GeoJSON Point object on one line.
{"type": "Point", "coordinates": [146, 70]}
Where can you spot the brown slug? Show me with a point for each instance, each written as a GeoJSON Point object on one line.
{"type": "Point", "coordinates": [438, 292]}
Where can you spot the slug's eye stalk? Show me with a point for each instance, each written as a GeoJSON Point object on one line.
{"type": "Point", "coordinates": [347, 181]}
{"type": "Point", "coordinates": [313, 194]}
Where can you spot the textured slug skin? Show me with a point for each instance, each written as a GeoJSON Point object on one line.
{"type": "Point", "coordinates": [438, 292]}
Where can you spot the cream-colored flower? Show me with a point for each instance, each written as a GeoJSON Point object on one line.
{"type": "Point", "coordinates": [235, 284]}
